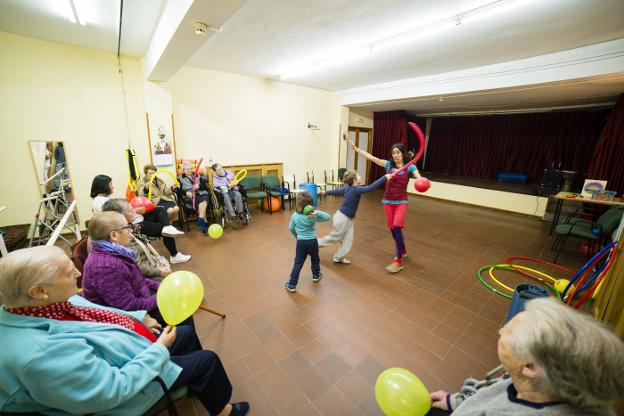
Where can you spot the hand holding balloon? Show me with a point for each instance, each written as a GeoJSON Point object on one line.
{"type": "Point", "coordinates": [167, 337]}
{"type": "Point", "coordinates": [438, 399]}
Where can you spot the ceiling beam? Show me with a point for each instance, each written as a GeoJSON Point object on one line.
{"type": "Point", "coordinates": [175, 40]}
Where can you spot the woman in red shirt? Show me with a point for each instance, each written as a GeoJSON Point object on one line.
{"type": "Point", "coordinates": [395, 198]}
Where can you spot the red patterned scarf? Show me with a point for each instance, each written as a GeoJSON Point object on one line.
{"type": "Point", "coordinates": [67, 312]}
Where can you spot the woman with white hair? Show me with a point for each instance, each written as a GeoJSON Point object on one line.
{"type": "Point", "coordinates": [64, 355]}
{"type": "Point", "coordinates": [198, 187]}
{"type": "Point", "coordinates": [559, 361]}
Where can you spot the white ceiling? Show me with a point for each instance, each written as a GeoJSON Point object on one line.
{"type": "Point", "coordinates": [266, 37]}
{"type": "Point", "coordinates": [48, 20]}
{"type": "Point", "coordinates": [589, 93]}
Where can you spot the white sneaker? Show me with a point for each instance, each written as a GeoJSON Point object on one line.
{"type": "Point", "coordinates": [343, 260]}
{"type": "Point", "coordinates": [179, 258]}
{"type": "Point", "coordinates": [171, 231]}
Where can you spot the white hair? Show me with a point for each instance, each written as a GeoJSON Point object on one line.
{"type": "Point", "coordinates": [22, 269]}
{"type": "Point", "coordinates": [581, 360]}
{"type": "Point", "coordinates": [187, 165]}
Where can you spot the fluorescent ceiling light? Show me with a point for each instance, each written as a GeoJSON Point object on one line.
{"type": "Point", "coordinates": [334, 59]}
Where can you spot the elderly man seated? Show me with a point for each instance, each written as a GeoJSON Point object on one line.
{"type": "Point", "coordinates": [559, 361]}
{"type": "Point", "coordinates": [62, 354]}
{"type": "Point", "coordinates": [111, 275]}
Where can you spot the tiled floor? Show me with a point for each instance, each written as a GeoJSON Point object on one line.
{"type": "Point", "coordinates": [320, 350]}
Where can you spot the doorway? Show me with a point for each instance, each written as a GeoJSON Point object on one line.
{"type": "Point", "coordinates": [361, 136]}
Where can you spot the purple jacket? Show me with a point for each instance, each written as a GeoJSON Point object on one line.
{"type": "Point", "coordinates": [218, 181]}
{"type": "Point", "coordinates": [111, 279]}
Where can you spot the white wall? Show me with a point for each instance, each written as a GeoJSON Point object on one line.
{"type": "Point", "coordinates": [50, 91]}
{"type": "Point", "coordinates": [506, 201]}
{"type": "Point", "coordinates": [237, 119]}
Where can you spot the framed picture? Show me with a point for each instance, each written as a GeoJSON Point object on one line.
{"type": "Point", "coordinates": [162, 149]}
{"type": "Point", "coordinates": [591, 186]}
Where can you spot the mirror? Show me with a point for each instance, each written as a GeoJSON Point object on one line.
{"type": "Point", "coordinates": [50, 166]}
{"type": "Point", "coordinates": [55, 187]}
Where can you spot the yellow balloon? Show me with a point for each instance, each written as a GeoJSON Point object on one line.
{"type": "Point", "coordinates": [179, 295]}
{"type": "Point", "coordinates": [215, 231]}
{"type": "Point", "coordinates": [400, 393]}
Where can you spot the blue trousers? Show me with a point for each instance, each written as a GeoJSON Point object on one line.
{"type": "Point", "coordinates": [305, 248]}
{"type": "Point", "coordinates": [202, 371]}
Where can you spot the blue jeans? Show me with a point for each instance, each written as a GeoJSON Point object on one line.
{"type": "Point", "coordinates": [305, 248]}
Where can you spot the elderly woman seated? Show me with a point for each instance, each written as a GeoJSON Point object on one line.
{"type": "Point", "coordinates": [62, 354]}
{"type": "Point", "coordinates": [222, 182]}
{"type": "Point", "coordinates": [111, 276]}
{"type": "Point", "coordinates": [197, 187]}
{"type": "Point", "coordinates": [150, 262]}
{"type": "Point", "coordinates": [559, 361]}
{"type": "Point", "coordinates": [162, 195]}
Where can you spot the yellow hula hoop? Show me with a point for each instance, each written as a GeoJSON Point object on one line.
{"type": "Point", "coordinates": [171, 175]}
{"type": "Point", "coordinates": [520, 267]}
{"type": "Point", "coordinates": [240, 175]}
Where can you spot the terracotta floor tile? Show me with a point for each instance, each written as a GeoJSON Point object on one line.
{"type": "Point", "coordinates": [320, 350]}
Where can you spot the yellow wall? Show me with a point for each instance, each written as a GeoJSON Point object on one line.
{"type": "Point", "coordinates": [506, 201]}
{"type": "Point", "coordinates": [236, 119]}
{"type": "Point", "coordinates": [50, 91]}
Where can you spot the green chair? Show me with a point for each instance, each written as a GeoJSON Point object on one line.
{"type": "Point", "coordinates": [341, 172]}
{"type": "Point", "coordinates": [253, 186]}
{"type": "Point", "coordinates": [597, 232]}
{"type": "Point", "coordinates": [275, 187]}
{"type": "Point", "coordinates": [167, 402]}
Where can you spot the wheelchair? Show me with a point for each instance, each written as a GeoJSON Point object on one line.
{"type": "Point", "coordinates": [187, 213]}
{"type": "Point", "coordinates": [241, 217]}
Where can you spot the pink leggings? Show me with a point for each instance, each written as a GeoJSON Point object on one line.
{"type": "Point", "coordinates": [395, 215]}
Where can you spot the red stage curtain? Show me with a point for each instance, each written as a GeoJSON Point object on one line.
{"type": "Point", "coordinates": [607, 162]}
{"type": "Point", "coordinates": [389, 127]}
{"type": "Point", "coordinates": [484, 146]}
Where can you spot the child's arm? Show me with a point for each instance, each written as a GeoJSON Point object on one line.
{"type": "Point", "coordinates": [321, 216]}
{"type": "Point", "coordinates": [291, 226]}
{"type": "Point", "coordinates": [363, 189]}
{"type": "Point", "coordinates": [337, 191]}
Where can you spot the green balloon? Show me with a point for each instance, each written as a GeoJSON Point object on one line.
{"type": "Point", "coordinates": [400, 393]}
{"type": "Point", "coordinates": [308, 209]}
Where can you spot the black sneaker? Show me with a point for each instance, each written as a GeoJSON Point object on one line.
{"type": "Point", "coordinates": [239, 409]}
{"type": "Point", "coordinates": [290, 288]}
{"type": "Point", "coordinates": [317, 277]}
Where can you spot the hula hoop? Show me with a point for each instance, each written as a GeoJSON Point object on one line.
{"type": "Point", "coordinates": [151, 182]}
{"type": "Point", "coordinates": [523, 268]}
{"type": "Point", "coordinates": [487, 285]}
{"type": "Point", "coordinates": [598, 281]}
{"type": "Point", "coordinates": [195, 177]}
{"type": "Point", "coordinates": [508, 267]}
{"type": "Point", "coordinates": [582, 270]}
{"type": "Point", "coordinates": [556, 266]}
{"type": "Point", "coordinates": [240, 175]}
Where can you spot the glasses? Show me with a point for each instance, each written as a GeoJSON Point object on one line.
{"type": "Point", "coordinates": [127, 227]}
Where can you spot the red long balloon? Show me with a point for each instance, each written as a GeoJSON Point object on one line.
{"type": "Point", "coordinates": [421, 138]}
{"type": "Point", "coordinates": [195, 181]}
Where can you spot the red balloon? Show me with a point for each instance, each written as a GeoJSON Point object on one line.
{"type": "Point", "coordinates": [142, 202]}
{"type": "Point", "coordinates": [422, 184]}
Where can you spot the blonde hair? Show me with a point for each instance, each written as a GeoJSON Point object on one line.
{"type": "Point", "coordinates": [349, 177]}
{"type": "Point", "coordinates": [22, 269]}
{"type": "Point", "coordinates": [102, 224]}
